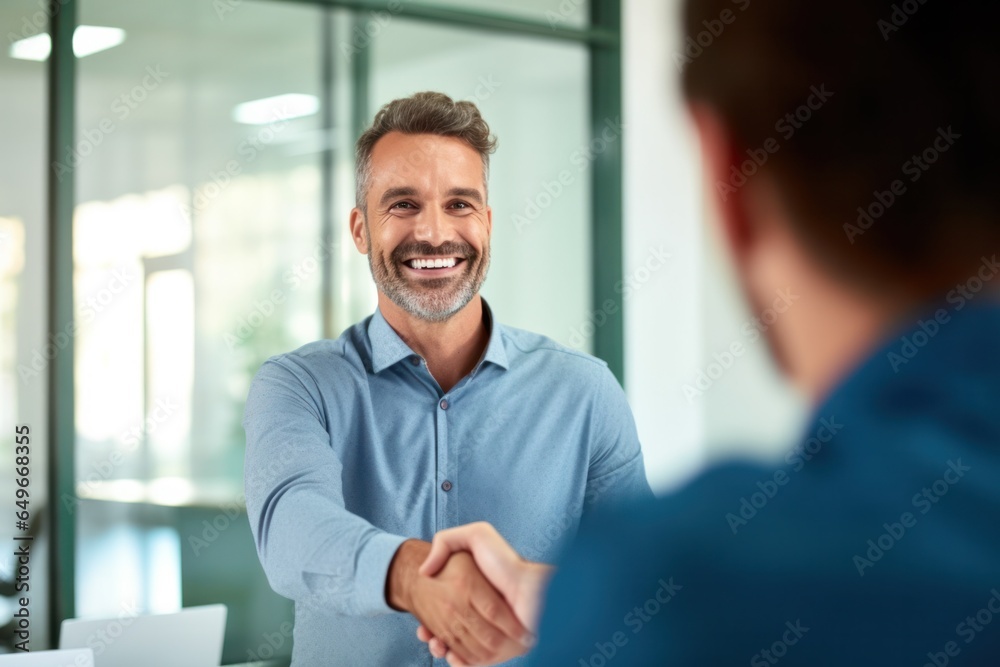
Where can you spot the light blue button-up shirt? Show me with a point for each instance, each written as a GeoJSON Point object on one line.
{"type": "Point", "coordinates": [352, 448]}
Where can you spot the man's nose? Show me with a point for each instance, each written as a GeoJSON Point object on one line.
{"type": "Point", "coordinates": [432, 227]}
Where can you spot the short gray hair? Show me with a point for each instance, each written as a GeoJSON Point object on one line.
{"type": "Point", "coordinates": [422, 113]}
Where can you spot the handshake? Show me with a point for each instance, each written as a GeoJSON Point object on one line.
{"type": "Point", "coordinates": [476, 599]}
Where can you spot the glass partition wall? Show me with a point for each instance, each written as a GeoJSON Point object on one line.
{"type": "Point", "coordinates": [202, 193]}
{"type": "Point", "coordinates": [212, 161]}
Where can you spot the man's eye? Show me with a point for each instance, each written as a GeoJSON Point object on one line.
{"type": "Point", "coordinates": [402, 204]}
{"type": "Point", "coordinates": [460, 204]}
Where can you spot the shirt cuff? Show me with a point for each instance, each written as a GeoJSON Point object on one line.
{"type": "Point", "coordinates": [373, 567]}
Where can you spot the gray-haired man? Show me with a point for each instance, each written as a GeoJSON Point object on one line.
{"type": "Point", "coordinates": [425, 416]}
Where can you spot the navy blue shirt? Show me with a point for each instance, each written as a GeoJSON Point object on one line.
{"type": "Point", "coordinates": [876, 541]}
{"type": "Point", "coordinates": [352, 447]}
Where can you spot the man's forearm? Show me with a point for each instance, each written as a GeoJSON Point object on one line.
{"type": "Point", "coordinates": [402, 572]}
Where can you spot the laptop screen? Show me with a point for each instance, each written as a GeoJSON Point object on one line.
{"type": "Point", "coordinates": [189, 638]}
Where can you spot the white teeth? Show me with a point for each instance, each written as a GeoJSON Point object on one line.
{"type": "Point", "coordinates": [439, 263]}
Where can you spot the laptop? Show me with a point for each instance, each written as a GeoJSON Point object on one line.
{"type": "Point", "coordinates": [83, 657]}
{"type": "Point", "coordinates": [191, 637]}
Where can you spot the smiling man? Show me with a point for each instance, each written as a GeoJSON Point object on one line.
{"type": "Point", "coordinates": [425, 416]}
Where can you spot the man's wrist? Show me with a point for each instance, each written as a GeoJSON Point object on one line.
{"type": "Point", "coordinates": [403, 572]}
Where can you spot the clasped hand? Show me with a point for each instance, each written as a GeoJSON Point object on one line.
{"type": "Point", "coordinates": [477, 600]}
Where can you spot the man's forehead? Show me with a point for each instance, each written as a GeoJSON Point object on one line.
{"type": "Point", "coordinates": [421, 180]}
{"type": "Point", "coordinates": [423, 169]}
{"type": "Point", "coordinates": [397, 150]}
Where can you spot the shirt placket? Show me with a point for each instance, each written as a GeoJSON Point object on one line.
{"type": "Point", "coordinates": [443, 485]}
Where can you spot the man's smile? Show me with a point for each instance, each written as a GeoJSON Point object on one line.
{"type": "Point", "coordinates": [433, 266]}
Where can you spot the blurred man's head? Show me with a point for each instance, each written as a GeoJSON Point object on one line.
{"type": "Point", "coordinates": [421, 214]}
{"type": "Point", "coordinates": [851, 148]}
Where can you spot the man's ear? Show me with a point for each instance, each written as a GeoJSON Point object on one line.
{"type": "Point", "coordinates": [358, 231]}
{"type": "Point", "coordinates": [719, 155]}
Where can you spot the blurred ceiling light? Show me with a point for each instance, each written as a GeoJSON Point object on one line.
{"type": "Point", "coordinates": [280, 107]}
{"type": "Point", "coordinates": [90, 39]}
{"type": "Point", "coordinates": [87, 40]}
{"type": "Point", "coordinates": [32, 48]}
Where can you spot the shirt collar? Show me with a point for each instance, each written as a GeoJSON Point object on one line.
{"type": "Point", "coordinates": [495, 351]}
{"type": "Point", "coordinates": [389, 349]}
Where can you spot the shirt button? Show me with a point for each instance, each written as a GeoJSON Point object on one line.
{"type": "Point", "coordinates": [446, 485]}
{"type": "Point", "coordinates": [415, 360]}
{"type": "Point", "coordinates": [444, 406]}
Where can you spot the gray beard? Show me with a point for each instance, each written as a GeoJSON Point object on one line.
{"type": "Point", "coordinates": [434, 300]}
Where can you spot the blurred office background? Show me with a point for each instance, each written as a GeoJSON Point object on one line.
{"type": "Point", "coordinates": [211, 177]}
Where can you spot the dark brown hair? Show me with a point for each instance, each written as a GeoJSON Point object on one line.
{"type": "Point", "coordinates": [901, 73]}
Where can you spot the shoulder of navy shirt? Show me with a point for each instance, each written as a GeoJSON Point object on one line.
{"type": "Point", "coordinates": [875, 541]}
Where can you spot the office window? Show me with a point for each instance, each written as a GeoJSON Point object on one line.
{"type": "Point", "coordinates": [198, 192]}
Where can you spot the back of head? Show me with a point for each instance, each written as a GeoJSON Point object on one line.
{"type": "Point", "coordinates": [889, 171]}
